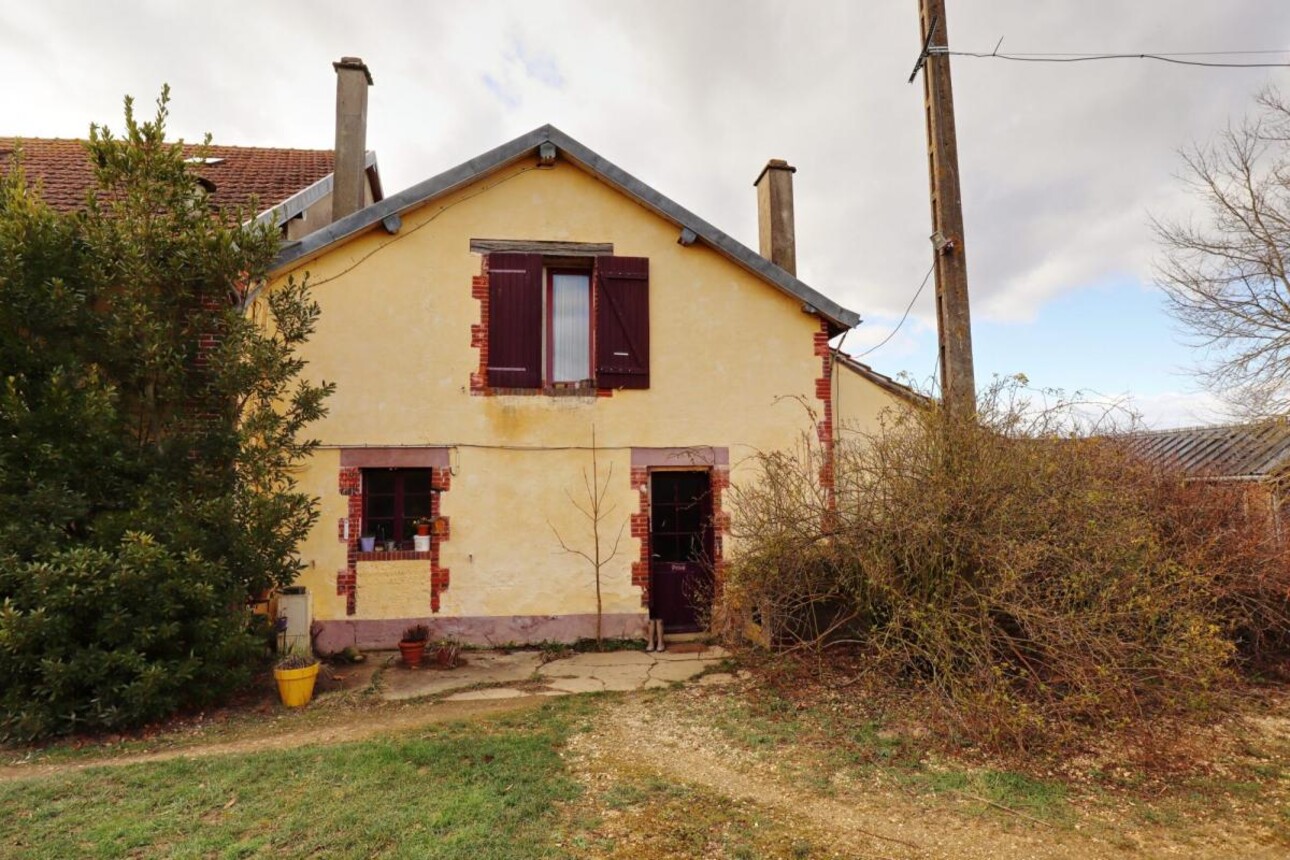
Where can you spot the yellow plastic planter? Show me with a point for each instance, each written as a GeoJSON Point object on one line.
{"type": "Point", "coordinates": [296, 686]}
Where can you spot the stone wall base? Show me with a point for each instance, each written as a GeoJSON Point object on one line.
{"type": "Point", "coordinates": [488, 631]}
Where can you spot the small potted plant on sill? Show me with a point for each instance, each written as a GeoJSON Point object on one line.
{"type": "Point", "coordinates": [413, 645]}
{"type": "Point", "coordinates": [367, 543]}
{"type": "Point", "coordinates": [447, 652]}
{"type": "Point", "coordinates": [421, 540]}
{"type": "Point", "coordinates": [296, 674]}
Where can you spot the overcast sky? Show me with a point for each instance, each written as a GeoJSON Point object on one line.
{"type": "Point", "coordinates": [1061, 164]}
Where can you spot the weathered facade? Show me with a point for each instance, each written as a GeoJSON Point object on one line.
{"type": "Point", "coordinates": [480, 328]}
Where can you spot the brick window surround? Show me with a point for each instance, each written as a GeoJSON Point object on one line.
{"type": "Point", "coordinates": [479, 340]}
{"type": "Point", "coordinates": [350, 528]}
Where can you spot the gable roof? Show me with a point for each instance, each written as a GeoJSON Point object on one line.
{"type": "Point", "coordinates": [1229, 451]}
{"type": "Point", "coordinates": [390, 209]}
{"type": "Point", "coordinates": [882, 380]}
{"type": "Point", "coordinates": [273, 179]}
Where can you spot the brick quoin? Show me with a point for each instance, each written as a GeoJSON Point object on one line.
{"type": "Point", "coordinates": [720, 528]}
{"type": "Point", "coordinates": [824, 393]}
{"type": "Point", "coordinates": [640, 567]}
{"type": "Point", "coordinates": [441, 480]}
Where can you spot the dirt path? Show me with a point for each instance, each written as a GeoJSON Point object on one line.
{"type": "Point", "coordinates": [862, 821]}
{"type": "Point", "coordinates": [359, 726]}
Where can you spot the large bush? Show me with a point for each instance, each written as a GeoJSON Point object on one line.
{"type": "Point", "coordinates": [1035, 580]}
{"type": "Point", "coordinates": [109, 638]}
{"type": "Point", "coordinates": [151, 421]}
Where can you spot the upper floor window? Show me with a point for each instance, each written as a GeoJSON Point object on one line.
{"type": "Point", "coordinates": [552, 324]}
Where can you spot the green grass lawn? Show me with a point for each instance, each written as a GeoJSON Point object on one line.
{"type": "Point", "coordinates": [487, 789]}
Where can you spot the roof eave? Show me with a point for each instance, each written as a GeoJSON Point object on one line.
{"type": "Point", "coordinates": [367, 218]}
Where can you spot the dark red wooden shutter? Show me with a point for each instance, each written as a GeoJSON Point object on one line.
{"type": "Point", "coordinates": [622, 322]}
{"type": "Point", "coordinates": [515, 320]}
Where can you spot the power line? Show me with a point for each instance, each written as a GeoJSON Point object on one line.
{"type": "Point", "coordinates": [1175, 59]}
{"type": "Point", "coordinates": [917, 293]}
{"type": "Point", "coordinates": [1282, 51]}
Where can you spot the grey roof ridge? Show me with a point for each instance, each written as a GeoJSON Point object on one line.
{"type": "Point", "coordinates": [416, 195]}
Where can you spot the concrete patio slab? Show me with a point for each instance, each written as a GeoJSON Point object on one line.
{"type": "Point", "coordinates": [609, 658]}
{"type": "Point", "coordinates": [578, 685]}
{"type": "Point", "coordinates": [678, 670]}
{"type": "Point", "coordinates": [496, 674]}
{"type": "Point", "coordinates": [478, 667]}
{"type": "Point", "coordinates": [491, 693]}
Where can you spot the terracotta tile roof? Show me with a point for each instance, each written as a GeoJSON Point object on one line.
{"type": "Point", "coordinates": [240, 174]}
{"type": "Point", "coordinates": [1251, 451]}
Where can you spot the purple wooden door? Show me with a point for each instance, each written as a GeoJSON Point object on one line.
{"type": "Point", "coordinates": [681, 549]}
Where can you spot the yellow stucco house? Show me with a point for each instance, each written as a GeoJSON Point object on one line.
{"type": "Point", "coordinates": [480, 326]}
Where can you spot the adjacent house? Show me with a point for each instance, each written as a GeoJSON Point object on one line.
{"type": "Point", "coordinates": [291, 187]}
{"type": "Point", "coordinates": [534, 335]}
{"type": "Point", "coordinates": [1254, 456]}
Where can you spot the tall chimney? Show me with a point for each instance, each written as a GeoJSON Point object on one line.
{"type": "Point", "coordinates": [775, 214]}
{"type": "Point", "coordinates": [349, 181]}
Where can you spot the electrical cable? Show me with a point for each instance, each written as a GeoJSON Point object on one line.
{"type": "Point", "coordinates": [405, 233]}
{"type": "Point", "coordinates": [910, 307]}
{"type": "Point", "coordinates": [1083, 58]}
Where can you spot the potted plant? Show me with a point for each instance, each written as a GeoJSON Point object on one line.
{"type": "Point", "coordinates": [296, 674]}
{"type": "Point", "coordinates": [421, 540]}
{"type": "Point", "coordinates": [447, 651]}
{"type": "Point", "coordinates": [367, 543]}
{"type": "Point", "coordinates": [413, 645]}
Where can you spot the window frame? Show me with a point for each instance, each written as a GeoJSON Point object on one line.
{"type": "Point", "coordinates": [400, 494]}
{"type": "Point", "coordinates": [548, 334]}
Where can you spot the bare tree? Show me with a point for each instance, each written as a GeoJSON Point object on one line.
{"type": "Point", "coordinates": [1224, 271]}
{"type": "Point", "coordinates": [594, 509]}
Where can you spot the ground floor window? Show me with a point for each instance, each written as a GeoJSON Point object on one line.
{"type": "Point", "coordinates": [393, 501]}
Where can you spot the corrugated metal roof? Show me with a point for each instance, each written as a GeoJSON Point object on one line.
{"type": "Point", "coordinates": [1252, 451]}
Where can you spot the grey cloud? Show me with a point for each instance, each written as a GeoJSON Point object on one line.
{"type": "Point", "coordinates": [1060, 164]}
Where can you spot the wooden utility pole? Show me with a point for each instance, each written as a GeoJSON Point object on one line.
{"type": "Point", "coordinates": [953, 320]}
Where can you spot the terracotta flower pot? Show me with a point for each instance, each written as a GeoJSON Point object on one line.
{"type": "Point", "coordinates": [423, 529]}
{"type": "Point", "coordinates": [413, 653]}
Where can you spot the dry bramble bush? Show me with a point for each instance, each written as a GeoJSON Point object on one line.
{"type": "Point", "coordinates": [1034, 577]}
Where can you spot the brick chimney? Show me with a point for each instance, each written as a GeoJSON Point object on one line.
{"type": "Point", "coordinates": [775, 214]}
{"type": "Point", "coordinates": [349, 181]}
